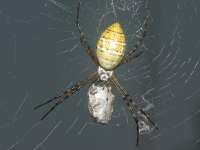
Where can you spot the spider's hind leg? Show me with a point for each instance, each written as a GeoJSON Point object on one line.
{"type": "Point", "coordinates": [133, 54]}
{"type": "Point", "coordinates": [84, 41]}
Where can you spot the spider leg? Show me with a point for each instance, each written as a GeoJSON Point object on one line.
{"type": "Point", "coordinates": [130, 101]}
{"type": "Point", "coordinates": [127, 97]}
{"type": "Point", "coordinates": [58, 103]}
{"type": "Point", "coordinates": [84, 41]}
{"type": "Point", "coordinates": [69, 92]}
{"type": "Point", "coordinates": [135, 118]}
{"type": "Point", "coordinates": [54, 98]}
{"type": "Point", "coordinates": [134, 55]}
{"type": "Point", "coordinates": [129, 56]}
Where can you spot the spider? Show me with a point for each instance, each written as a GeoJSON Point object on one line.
{"type": "Point", "coordinates": [110, 54]}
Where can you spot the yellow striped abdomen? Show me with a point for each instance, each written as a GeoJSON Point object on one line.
{"type": "Point", "coordinates": [111, 46]}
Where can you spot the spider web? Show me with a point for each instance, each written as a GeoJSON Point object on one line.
{"type": "Point", "coordinates": [41, 55]}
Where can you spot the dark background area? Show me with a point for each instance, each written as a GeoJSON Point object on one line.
{"type": "Point", "coordinates": [41, 55]}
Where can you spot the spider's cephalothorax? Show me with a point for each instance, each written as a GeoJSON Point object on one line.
{"type": "Point", "coordinates": [111, 46]}
{"type": "Point", "coordinates": [110, 53]}
{"type": "Point", "coordinates": [104, 75]}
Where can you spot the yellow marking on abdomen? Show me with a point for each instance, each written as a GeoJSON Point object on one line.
{"type": "Point", "coordinates": [111, 46]}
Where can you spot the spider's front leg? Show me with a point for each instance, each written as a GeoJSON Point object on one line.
{"type": "Point", "coordinates": [69, 92]}
{"type": "Point", "coordinates": [130, 102]}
